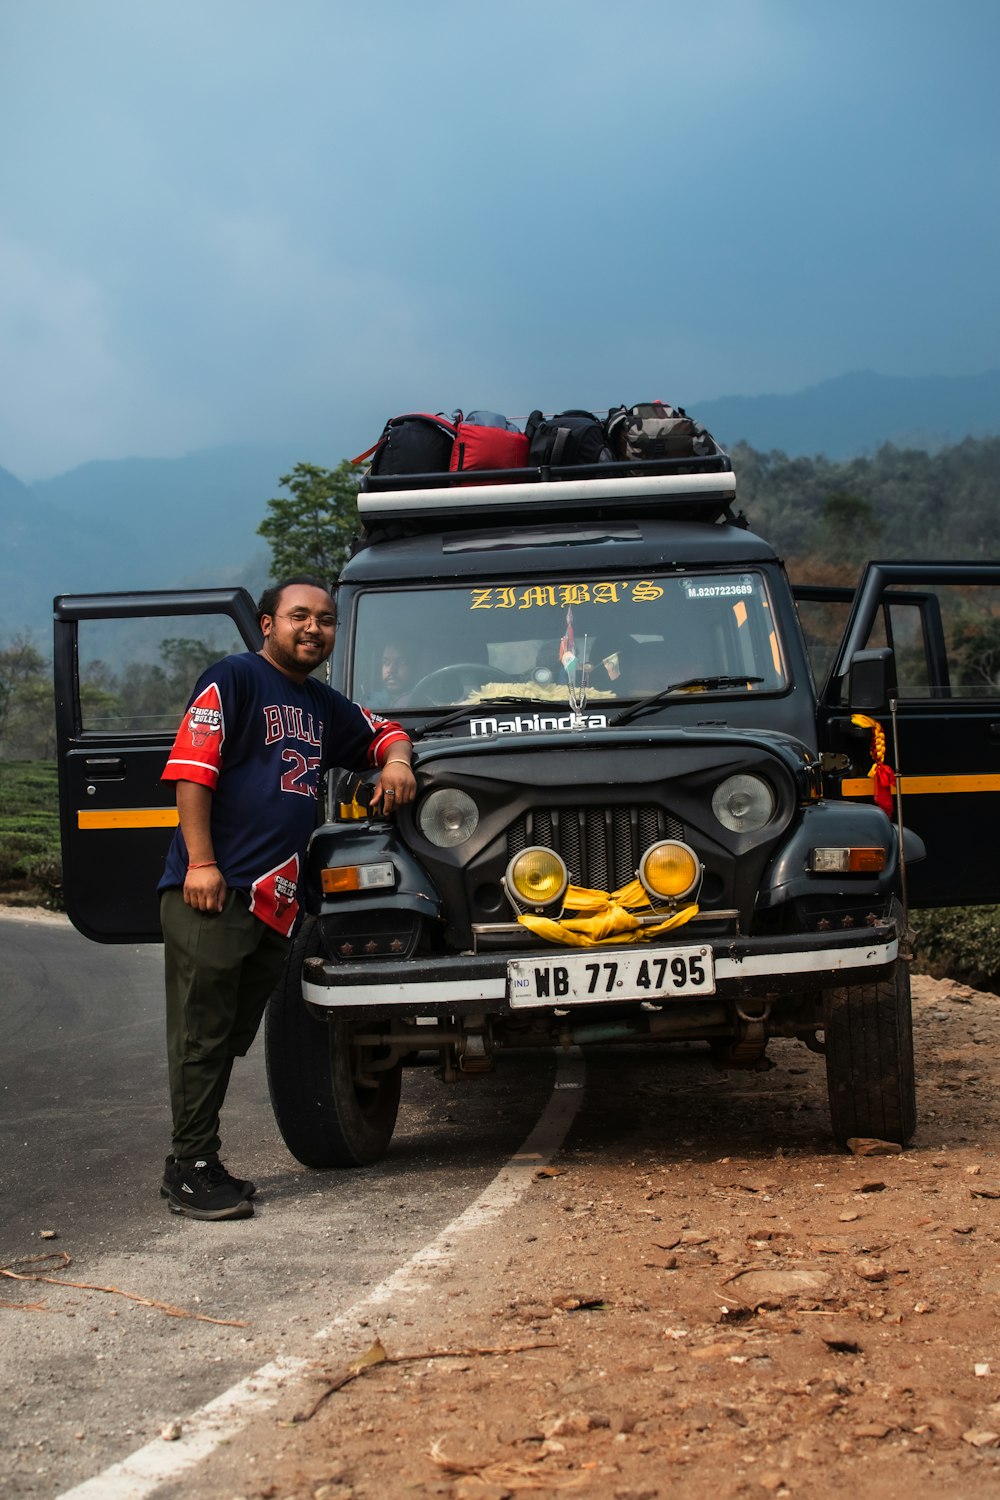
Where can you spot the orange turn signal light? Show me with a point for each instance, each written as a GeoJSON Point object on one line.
{"type": "Point", "coordinates": [858, 860]}
{"type": "Point", "coordinates": [336, 879]}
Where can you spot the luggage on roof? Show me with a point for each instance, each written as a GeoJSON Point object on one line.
{"type": "Point", "coordinates": [488, 445]}
{"type": "Point", "coordinates": [653, 430]}
{"type": "Point", "coordinates": [656, 460]}
{"type": "Point", "coordinates": [417, 442]}
{"type": "Point", "coordinates": [421, 442]}
{"type": "Point", "coordinates": [571, 437]}
{"type": "Point", "coordinates": [490, 419]}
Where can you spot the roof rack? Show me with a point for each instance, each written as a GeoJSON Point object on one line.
{"type": "Point", "coordinates": [679, 489]}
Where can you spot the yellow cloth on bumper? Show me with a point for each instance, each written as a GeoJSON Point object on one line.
{"type": "Point", "coordinates": [603, 917]}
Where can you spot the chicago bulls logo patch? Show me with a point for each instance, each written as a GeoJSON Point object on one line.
{"type": "Point", "coordinates": [274, 896]}
{"type": "Point", "coordinates": [203, 731]}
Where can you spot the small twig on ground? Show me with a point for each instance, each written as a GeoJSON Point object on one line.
{"type": "Point", "coordinates": [507, 1476]}
{"type": "Point", "coordinates": [32, 1260]}
{"type": "Point", "coordinates": [376, 1355]}
{"type": "Point", "coordinates": [87, 1286]}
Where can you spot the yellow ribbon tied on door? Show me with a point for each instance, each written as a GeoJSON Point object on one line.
{"type": "Point", "coordinates": [591, 918]}
{"type": "Point", "coordinates": [883, 777]}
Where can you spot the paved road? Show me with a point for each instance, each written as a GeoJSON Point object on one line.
{"type": "Point", "coordinates": [85, 1376]}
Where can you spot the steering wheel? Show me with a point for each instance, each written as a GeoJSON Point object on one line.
{"type": "Point", "coordinates": [463, 677]}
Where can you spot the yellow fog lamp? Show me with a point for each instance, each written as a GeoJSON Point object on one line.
{"type": "Point", "coordinates": [337, 879]}
{"type": "Point", "coordinates": [670, 871]}
{"type": "Point", "coordinates": [856, 860]}
{"type": "Point", "coordinates": [536, 878]}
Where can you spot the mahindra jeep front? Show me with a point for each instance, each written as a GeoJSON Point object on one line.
{"type": "Point", "coordinates": [620, 832]}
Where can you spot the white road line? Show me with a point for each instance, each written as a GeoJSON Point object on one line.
{"type": "Point", "coordinates": [160, 1461]}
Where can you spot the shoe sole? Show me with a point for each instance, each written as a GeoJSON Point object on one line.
{"type": "Point", "coordinates": [241, 1210]}
{"type": "Point", "coordinates": [248, 1191]}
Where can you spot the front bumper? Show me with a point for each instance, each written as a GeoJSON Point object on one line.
{"type": "Point", "coordinates": [473, 984]}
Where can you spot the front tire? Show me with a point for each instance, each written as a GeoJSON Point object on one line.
{"type": "Point", "coordinates": [333, 1105]}
{"type": "Point", "coordinates": [869, 1059]}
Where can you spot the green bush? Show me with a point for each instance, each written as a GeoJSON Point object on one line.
{"type": "Point", "coordinates": [959, 942]}
{"type": "Point", "coordinates": [30, 853]}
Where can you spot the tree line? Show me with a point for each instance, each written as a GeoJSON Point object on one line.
{"type": "Point", "coordinates": [825, 518]}
{"type": "Point", "coordinates": [899, 504]}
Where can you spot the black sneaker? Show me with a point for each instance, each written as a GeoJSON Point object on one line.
{"type": "Point", "coordinates": [243, 1185]}
{"type": "Point", "coordinates": [203, 1189]}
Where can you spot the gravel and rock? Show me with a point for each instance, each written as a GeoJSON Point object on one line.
{"type": "Point", "coordinates": [701, 1296]}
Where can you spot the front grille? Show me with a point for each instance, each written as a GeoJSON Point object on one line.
{"type": "Point", "coordinates": [602, 846]}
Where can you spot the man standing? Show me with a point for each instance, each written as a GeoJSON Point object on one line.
{"type": "Point", "coordinates": [248, 759]}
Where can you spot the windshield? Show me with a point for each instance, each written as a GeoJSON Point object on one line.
{"type": "Point", "coordinates": [611, 640]}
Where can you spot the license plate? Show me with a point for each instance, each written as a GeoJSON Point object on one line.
{"type": "Point", "coordinates": [589, 978]}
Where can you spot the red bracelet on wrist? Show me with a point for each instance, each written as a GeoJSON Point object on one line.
{"type": "Point", "coordinates": [203, 864]}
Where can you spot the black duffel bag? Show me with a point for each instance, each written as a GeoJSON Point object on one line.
{"type": "Point", "coordinates": [569, 438]}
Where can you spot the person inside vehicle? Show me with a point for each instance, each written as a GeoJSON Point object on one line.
{"type": "Point", "coordinates": [642, 669]}
{"type": "Point", "coordinates": [396, 673]}
{"type": "Point", "coordinates": [645, 667]}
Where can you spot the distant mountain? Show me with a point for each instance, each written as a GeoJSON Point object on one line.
{"type": "Point", "coordinates": [10, 488]}
{"type": "Point", "coordinates": [137, 524]}
{"type": "Point", "coordinates": [147, 523]}
{"type": "Point", "coordinates": [163, 519]}
{"type": "Point", "coordinates": [856, 414]}
{"type": "Point", "coordinates": [32, 531]}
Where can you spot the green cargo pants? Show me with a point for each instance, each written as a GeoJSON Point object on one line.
{"type": "Point", "coordinates": [220, 968]}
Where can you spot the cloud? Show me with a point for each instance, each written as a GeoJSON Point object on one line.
{"type": "Point", "coordinates": [68, 392]}
{"type": "Point", "coordinates": [242, 221]}
{"type": "Point", "coordinates": [59, 380]}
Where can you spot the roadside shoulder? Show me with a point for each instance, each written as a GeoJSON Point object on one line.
{"type": "Point", "coordinates": [38, 914]}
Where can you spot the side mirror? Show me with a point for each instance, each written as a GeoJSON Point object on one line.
{"type": "Point", "coordinates": [872, 681]}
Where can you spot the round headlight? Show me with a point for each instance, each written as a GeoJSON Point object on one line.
{"type": "Point", "coordinates": [743, 803]}
{"type": "Point", "coordinates": [448, 817]}
{"type": "Point", "coordinates": [537, 876]}
{"type": "Point", "coordinates": [669, 870]}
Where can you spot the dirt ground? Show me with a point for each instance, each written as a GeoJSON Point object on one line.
{"type": "Point", "coordinates": [715, 1302]}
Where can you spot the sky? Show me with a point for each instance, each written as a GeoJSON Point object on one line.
{"type": "Point", "coordinates": [230, 221]}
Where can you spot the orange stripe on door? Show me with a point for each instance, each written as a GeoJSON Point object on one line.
{"type": "Point", "coordinates": [93, 820]}
{"type": "Point", "coordinates": [923, 786]}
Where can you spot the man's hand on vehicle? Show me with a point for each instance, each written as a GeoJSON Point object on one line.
{"type": "Point", "coordinates": [396, 785]}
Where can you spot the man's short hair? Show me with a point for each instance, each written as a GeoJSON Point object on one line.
{"type": "Point", "coordinates": [269, 600]}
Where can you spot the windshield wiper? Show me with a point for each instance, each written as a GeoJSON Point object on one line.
{"type": "Point", "coordinates": [676, 687]}
{"type": "Point", "coordinates": [470, 710]}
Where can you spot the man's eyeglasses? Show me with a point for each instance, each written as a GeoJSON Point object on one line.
{"type": "Point", "coordinates": [302, 616]}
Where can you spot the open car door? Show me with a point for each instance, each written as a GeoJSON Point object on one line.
{"type": "Point", "coordinates": [124, 668]}
{"type": "Point", "coordinates": [941, 622]}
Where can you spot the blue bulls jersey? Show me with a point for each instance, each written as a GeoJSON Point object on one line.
{"type": "Point", "coordinates": [261, 742]}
